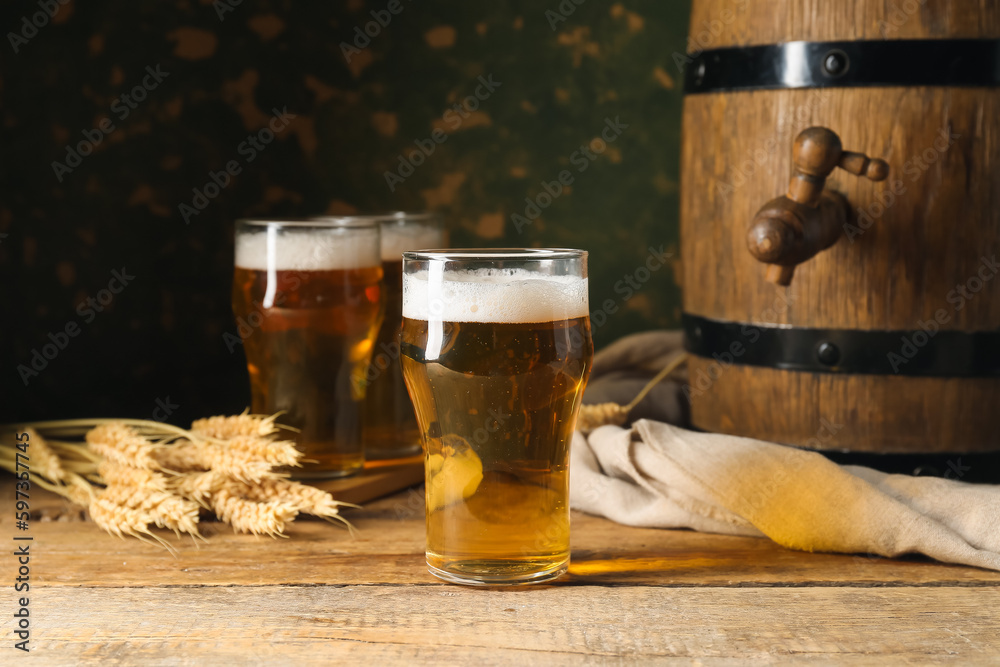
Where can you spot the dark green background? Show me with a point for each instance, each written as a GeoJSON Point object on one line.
{"type": "Point", "coordinates": [163, 335]}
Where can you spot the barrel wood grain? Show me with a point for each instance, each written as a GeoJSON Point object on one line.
{"type": "Point", "coordinates": [922, 254]}
{"type": "Point", "coordinates": [887, 414]}
{"type": "Point", "coordinates": [903, 272]}
{"type": "Point", "coordinates": [943, 220]}
{"type": "Point", "coordinates": [721, 23]}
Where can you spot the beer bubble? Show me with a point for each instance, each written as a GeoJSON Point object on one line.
{"type": "Point", "coordinates": [494, 295]}
{"type": "Point", "coordinates": [397, 239]}
{"type": "Point", "coordinates": [313, 249]}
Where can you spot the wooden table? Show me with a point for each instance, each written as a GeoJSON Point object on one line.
{"type": "Point", "coordinates": [632, 595]}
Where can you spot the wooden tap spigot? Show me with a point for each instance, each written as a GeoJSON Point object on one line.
{"type": "Point", "coordinates": [808, 219]}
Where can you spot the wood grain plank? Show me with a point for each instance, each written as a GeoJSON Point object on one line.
{"type": "Point", "coordinates": [537, 626]}
{"type": "Point", "coordinates": [388, 549]}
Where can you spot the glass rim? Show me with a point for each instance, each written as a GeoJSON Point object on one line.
{"type": "Point", "coordinates": [327, 222]}
{"type": "Point", "coordinates": [487, 254]}
{"type": "Point", "coordinates": [386, 217]}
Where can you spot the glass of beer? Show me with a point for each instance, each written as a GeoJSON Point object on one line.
{"type": "Point", "coordinates": [307, 295]}
{"type": "Point", "coordinates": [390, 425]}
{"type": "Point", "coordinates": [496, 351]}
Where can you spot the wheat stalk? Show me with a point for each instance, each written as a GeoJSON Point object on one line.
{"type": "Point", "coordinates": [123, 445]}
{"type": "Point", "coordinates": [275, 452]}
{"type": "Point", "coordinates": [225, 428]}
{"type": "Point", "coordinates": [78, 490]}
{"type": "Point", "coordinates": [603, 414]}
{"type": "Point", "coordinates": [181, 457]}
{"type": "Point", "coordinates": [198, 486]}
{"type": "Point", "coordinates": [234, 463]}
{"type": "Point", "coordinates": [305, 499]}
{"type": "Point", "coordinates": [116, 474]}
{"type": "Point", "coordinates": [121, 521]}
{"type": "Point", "coordinates": [133, 475]}
{"type": "Point", "coordinates": [43, 459]}
{"type": "Point", "coordinates": [161, 508]}
{"type": "Point", "coordinates": [250, 516]}
{"type": "Point", "coordinates": [245, 458]}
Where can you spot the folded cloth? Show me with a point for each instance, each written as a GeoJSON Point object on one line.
{"type": "Point", "coordinates": [658, 475]}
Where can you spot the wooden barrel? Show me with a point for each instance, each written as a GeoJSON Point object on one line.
{"type": "Point", "coordinates": [887, 340]}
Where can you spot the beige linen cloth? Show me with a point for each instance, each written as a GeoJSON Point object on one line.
{"type": "Point", "coordinates": [662, 476]}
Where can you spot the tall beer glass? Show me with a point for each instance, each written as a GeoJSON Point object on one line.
{"type": "Point", "coordinates": [307, 296]}
{"type": "Point", "coordinates": [496, 351]}
{"type": "Point", "coordinates": [390, 425]}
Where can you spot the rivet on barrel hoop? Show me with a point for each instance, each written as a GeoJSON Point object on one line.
{"type": "Point", "coordinates": [836, 63]}
{"type": "Point", "coordinates": [827, 353]}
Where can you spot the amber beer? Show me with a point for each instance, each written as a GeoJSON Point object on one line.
{"type": "Point", "coordinates": [496, 359]}
{"type": "Point", "coordinates": [390, 425]}
{"type": "Point", "coordinates": [307, 296]}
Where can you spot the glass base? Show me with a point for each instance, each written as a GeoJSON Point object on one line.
{"type": "Point", "coordinates": [498, 573]}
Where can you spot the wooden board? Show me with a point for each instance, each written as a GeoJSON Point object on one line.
{"type": "Point", "coordinates": [388, 547]}
{"type": "Point", "coordinates": [632, 595]}
{"type": "Point", "coordinates": [388, 625]}
{"type": "Point", "coordinates": [379, 478]}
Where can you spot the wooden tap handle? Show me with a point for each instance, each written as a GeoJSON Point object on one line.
{"type": "Point", "coordinates": [860, 164]}
{"type": "Point", "coordinates": [790, 230]}
{"type": "Point", "coordinates": [815, 153]}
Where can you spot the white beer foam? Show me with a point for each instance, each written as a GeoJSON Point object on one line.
{"type": "Point", "coordinates": [397, 239]}
{"type": "Point", "coordinates": [494, 295]}
{"type": "Point", "coordinates": [307, 250]}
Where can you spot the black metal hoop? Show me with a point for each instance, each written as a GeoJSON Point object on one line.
{"type": "Point", "coordinates": [901, 62]}
{"type": "Point", "coordinates": [919, 352]}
